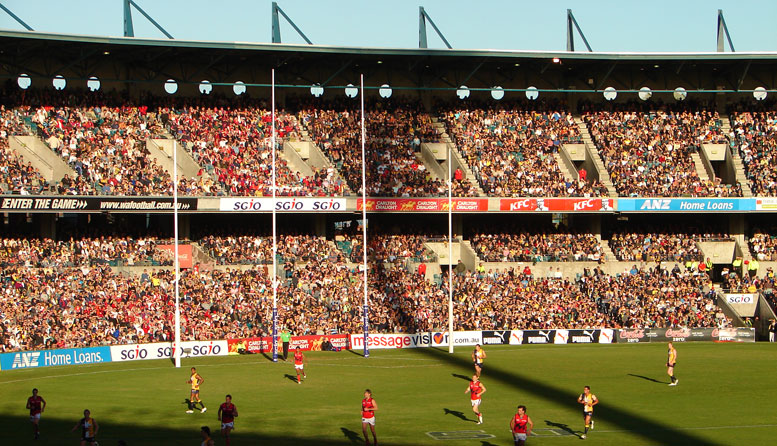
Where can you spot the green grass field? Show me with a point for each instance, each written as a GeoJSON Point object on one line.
{"type": "Point", "coordinates": [726, 396]}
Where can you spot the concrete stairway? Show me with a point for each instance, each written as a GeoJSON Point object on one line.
{"type": "Point", "coordinates": [609, 255]}
{"type": "Point", "coordinates": [569, 176]}
{"type": "Point", "coordinates": [604, 175]}
{"type": "Point", "coordinates": [739, 166]}
{"type": "Point", "coordinates": [161, 151]}
{"type": "Point", "coordinates": [34, 151]}
{"type": "Point", "coordinates": [467, 170]}
{"type": "Point", "coordinates": [699, 166]}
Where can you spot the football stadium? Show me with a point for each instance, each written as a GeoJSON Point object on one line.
{"type": "Point", "coordinates": [208, 242]}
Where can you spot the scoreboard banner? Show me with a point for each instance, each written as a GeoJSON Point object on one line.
{"type": "Point", "coordinates": [733, 334]}
{"type": "Point", "coordinates": [423, 204]}
{"type": "Point", "coordinates": [105, 204]}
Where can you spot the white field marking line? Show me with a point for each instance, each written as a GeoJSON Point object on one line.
{"type": "Point", "coordinates": [210, 365]}
{"type": "Point", "coordinates": [750, 426]}
{"type": "Point", "coordinates": [380, 366]}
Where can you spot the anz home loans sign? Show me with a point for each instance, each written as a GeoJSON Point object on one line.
{"type": "Point", "coordinates": [686, 204]}
{"type": "Point", "coordinates": [48, 358]}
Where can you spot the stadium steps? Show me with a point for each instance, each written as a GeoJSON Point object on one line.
{"type": "Point", "coordinates": [161, 151]}
{"type": "Point", "coordinates": [699, 166]}
{"type": "Point", "coordinates": [593, 151]}
{"type": "Point", "coordinates": [609, 255]}
{"type": "Point", "coordinates": [739, 166]}
{"type": "Point", "coordinates": [36, 152]}
{"type": "Point", "coordinates": [563, 167]}
{"type": "Point", "coordinates": [468, 172]}
{"type": "Point", "coordinates": [200, 255]}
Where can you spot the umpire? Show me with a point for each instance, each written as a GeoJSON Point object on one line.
{"type": "Point", "coordinates": [285, 338]}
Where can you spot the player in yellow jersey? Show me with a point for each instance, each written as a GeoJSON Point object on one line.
{"type": "Point", "coordinates": [196, 381]}
{"type": "Point", "coordinates": [89, 428]}
{"type": "Point", "coordinates": [478, 355]}
{"type": "Point", "coordinates": [670, 363]}
{"type": "Point", "coordinates": [588, 400]}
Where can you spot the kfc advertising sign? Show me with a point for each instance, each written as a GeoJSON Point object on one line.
{"type": "Point", "coordinates": [556, 204]}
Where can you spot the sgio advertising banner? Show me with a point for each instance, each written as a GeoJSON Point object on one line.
{"type": "Point", "coordinates": [160, 350]}
{"type": "Point", "coordinates": [282, 204]}
{"type": "Point", "coordinates": [49, 358]}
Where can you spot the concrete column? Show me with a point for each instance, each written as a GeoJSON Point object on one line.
{"type": "Point", "coordinates": [48, 225]}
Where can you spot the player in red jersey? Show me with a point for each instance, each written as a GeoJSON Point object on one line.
{"type": "Point", "coordinates": [227, 414]}
{"type": "Point", "coordinates": [521, 426]}
{"type": "Point", "coordinates": [36, 404]}
{"type": "Point", "coordinates": [299, 364]}
{"type": "Point", "coordinates": [475, 390]}
{"type": "Point", "coordinates": [369, 406]}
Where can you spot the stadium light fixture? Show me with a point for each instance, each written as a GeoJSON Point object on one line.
{"type": "Point", "coordinates": [59, 82]}
{"type": "Point", "coordinates": [93, 84]}
{"type": "Point", "coordinates": [239, 88]}
{"type": "Point", "coordinates": [610, 93]}
{"type": "Point", "coordinates": [680, 94]}
{"type": "Point", "coordinates": [171, 86]}
{"type": "Point", "coordinates": [497, 93]}
{"type": "Point", "coordinates": [759, 93]}
{"type": "Point", "coordinates": [205, 87]}
{"type": "Point", "coordinates": [463, 92]}
{"type": "Point", "coordinates": [532, 93]}
{"type": "Point", "coordinates": [556, 60]}
{"type": "Point", "coordinates": [24, 81]}
{"type": "Point", "coordinates": [385, 91]}
{"type": "Point", "coordinates": [351, 91]}
{"type": "Point", "coordinates": [645, 93]}
{"type": "Point", "coordinates": [317, 90]}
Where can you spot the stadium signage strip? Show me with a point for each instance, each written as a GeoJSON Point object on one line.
{"type": "Point", "coordinates": [557, 204]}
{"type": "Point", "coordinates": [305, 343]}
{"type": "Point", "coordinates": [160, 350]}
{"type": "Point", "coordinates": [59, 357]}
{"type": "Point", "coordinates": [126, 204]}
{"type": "Point", "coordinates": [686, 204]}
{"type": "Point", "coordinates": [423, 204]}
{"type": "Point", "coordinates": [741, 298]}
{"type": "Point", "coordinates": [283, 204]}
{"type": "Point", "coordinates": [633, 335]}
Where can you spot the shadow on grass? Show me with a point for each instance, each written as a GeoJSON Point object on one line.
{"type": "Point", "coordinates": [291, 378]}
{"type": "Point", "coordinates": [464, 377]}
{"type": "Point", "coordinates": [457, 414]}
{"type": "Point", "coordinates": [636, 423]}
{"type": "Point", "coordinates": [353, 436]}
{"type": "Point", "coordinates": [486, 443]}
{"type": "Point", "coordinates": [562, 426]}
{"type": "Point", "coordinates": [56, 432]}
{"type": "Point", "coordinates": [646, 378]}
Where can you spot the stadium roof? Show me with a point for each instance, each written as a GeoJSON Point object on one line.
{"type": "Point", "coordinates": [132, 59]}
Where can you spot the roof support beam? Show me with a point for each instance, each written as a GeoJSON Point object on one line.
{"type": "Point", "coordinates": [570, 33]}
{"type": "Point", "coordinates": [422, 18]}
{"type": "Point", "coordinates": [276, 25]}
{"type": "Point", "coordinates": [15, 17]}
{"type": "Point", "coordinates": [129, 30]}
{"type": "Point", "coordinates": [723, 30]}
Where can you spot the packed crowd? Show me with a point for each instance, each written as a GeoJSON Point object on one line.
{"type": "Point", "coordinates": [395, 133]}
{"type": "Point", "coordinates": [512, 151]}
{"type": "Point", "coordinates": [649, 153]}
{"type": "Point", "coordinates": [754, 135]}
{"type": "Point", "coordinates": [544, 246]}
{"type": "Point", "coordinates": [257, 250]}
{"type": "Point", "coordinates": [234, 146]}
{"type": "Point", "coordinates": [386, 247]}
{"type": "Point", "coordinates": [764, 245]}
{"type": "Point", "coordinates": [16, 176]}
{"type": "Point", "coordinates": [660, 246]}
{"type": "Point", "coordinates": [47, 303]}
{"type": "Point", "coordinates": [84, 251]}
